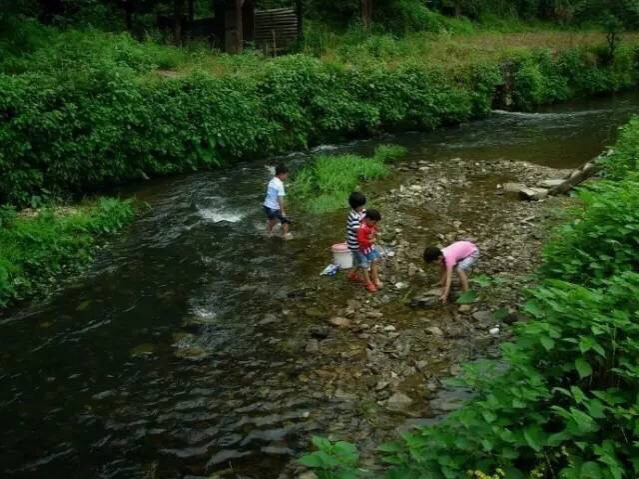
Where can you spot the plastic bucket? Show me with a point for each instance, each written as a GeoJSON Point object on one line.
{"type": "Point", "coordinates": [342, 256]}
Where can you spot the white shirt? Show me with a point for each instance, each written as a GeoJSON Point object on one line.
{"type": "Point", "coordinates": [274, 191]}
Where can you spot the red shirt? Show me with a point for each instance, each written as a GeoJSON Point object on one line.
{"type": "Point", "coordinates": [365, 234]}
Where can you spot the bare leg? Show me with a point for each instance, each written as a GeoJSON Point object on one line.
{"type": "Point", "coordinates": [375, 273]}
{"type": "Point", "coordinates": [284, 229]}
{"type": "Point", "coordinates": [367, 277]}
{"type": "Point", "coordinates": [270, 224]}
{"type": "Point", "coordinates": [463, 277]}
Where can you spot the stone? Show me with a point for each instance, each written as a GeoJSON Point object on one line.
{"type": "Point", "coordinates": [307, 475]}
{"type": "Point", "coordinates": [340, 322]}
{"type": "Point", "coordinates": [319, 332]}
{"type": "Point", "coordinates": [312, 346]}
{"type": "Point", "coordinates": [533, 194]}
{"type": "Point", "coordinates": [435, 331]}
{"type": "Point", "coordinates": [398, 402]}
{"type": "Point", "coordinates": [314, 312]}
{"type": "Point", "coordinates": [551, 183]}
{"type": "Point", "coordinates": [425, 302]}
{"type": "Point", "coordinates": [401, 285]}
{"type": "Point", "coordinates": [482, 316]}
{"type": "Point", "coordinates": [465, 308]}
{"type": "Point", "coordinates": [513, 187]}
{"type": "Point", "coordinates": [390, 328]}
{"type": "Point", "coordinates": [422, 365]}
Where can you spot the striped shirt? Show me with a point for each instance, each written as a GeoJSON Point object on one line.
{"type": "Point", "coordinates": [352, 225]}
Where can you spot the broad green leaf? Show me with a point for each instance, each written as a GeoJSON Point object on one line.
{"type": "Point", "coordinates": [468, 297]}
{"type": "Point", "coordinates": [535, 437]}
{"type": "Point", "coordinates": [583, 367]}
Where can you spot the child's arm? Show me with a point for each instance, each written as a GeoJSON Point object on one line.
{"type": "Point", "coordinates": [449, 280]}
{"type": "Point", "coordinates": [280, 200]}
{"type": "Point", "coordinates": [442, 275]}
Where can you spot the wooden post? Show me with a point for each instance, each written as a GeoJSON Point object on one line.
{"type": "Point", "coordinates": [239, 27]}
{"type": "Point", "coordinates": [178, 12]}
{"type": "Point", "coordinates": [367, 13]}
{"type": "Point", "coordinates": [299, 8]}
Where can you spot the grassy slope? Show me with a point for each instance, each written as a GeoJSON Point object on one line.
{"type": "Point", "coordinates": [38, 247]}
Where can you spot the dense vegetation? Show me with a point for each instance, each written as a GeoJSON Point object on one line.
{"type": "Point", "coordinates": [85, 111]}
{"type": "Point", "coordinates": [37, 247]}
{"type": "Point", "coordinates": [565, 405]}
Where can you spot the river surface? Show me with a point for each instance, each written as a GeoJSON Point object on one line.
{"type": "Point", "coordinates": [176, 355]}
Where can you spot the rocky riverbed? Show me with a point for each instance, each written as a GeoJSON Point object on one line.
{"type": "Point", "coordinates": [381, 360]}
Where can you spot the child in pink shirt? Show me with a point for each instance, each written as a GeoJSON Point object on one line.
{"type": "Point", "coordinates": [461, 255]}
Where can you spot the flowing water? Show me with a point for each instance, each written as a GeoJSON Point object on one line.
{"type": "Point", "coordinates": [176, 354]}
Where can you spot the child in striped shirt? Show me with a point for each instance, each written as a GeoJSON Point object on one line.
{"type": "Point", "coordinates": [357, 201]}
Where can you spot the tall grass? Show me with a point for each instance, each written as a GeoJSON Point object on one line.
{"type": "Point", "coordinates": [325, 184]}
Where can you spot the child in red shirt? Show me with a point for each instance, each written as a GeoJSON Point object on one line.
{"type": "Point", "coordinates": [368, 255]}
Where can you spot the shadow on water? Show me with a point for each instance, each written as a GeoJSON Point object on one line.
{"type": "Point", "coordinates": [178, 351]}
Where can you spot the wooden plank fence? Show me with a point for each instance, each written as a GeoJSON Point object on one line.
{"type": "Point", "coordinates": [276, 30]}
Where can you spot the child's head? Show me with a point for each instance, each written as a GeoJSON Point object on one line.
{"type": "Point", "coordinates": [373, 217]}
{"type": "Point", "coordinates": [357, 200]}
{"type": "Point", "coordinates": [281, 171]}
{"type": "Point", "coordinates": [432, 254]}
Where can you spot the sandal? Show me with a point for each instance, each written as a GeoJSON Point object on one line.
{"type": "Point", "coordinates": [371, 288]}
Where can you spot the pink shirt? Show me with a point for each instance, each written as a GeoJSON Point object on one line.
{"type": "Point", "coordinates": [456, 252]}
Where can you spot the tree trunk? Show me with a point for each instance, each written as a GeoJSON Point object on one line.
{"type": "Point", "coordinates": [239, 27]}
{"type": "Point", "coordinates": [178, 13]}
{"type": "Point", "coordinates": [367, 13]}
{"type": "Point", "coordinates": [458, 8]}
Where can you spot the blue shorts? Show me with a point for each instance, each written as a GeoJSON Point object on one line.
{"type": "Point", "coordinates": [272, 214]}
{"type": "Point", "coordinates": [364, 260]}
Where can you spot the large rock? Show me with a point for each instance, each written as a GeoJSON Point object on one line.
{"type": "Point", "coordinates": [551, 183]}
{"type": "Point", "coordinates": [425, 302]}
{"type": "Point", "coordinates": [340, 322]}
{"type": "Point", "coordinates": [398, 402]}
{"type": "Point", "coordinates": [533, 194]}
{"type": "Point", "coordinates": [435, 331]}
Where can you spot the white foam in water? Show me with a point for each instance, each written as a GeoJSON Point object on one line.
{"type": "Point", "coordinates": [270, 169]}
{"type": "Point", "coordinates": [218, 216]}
{"type": "Point", "coordinates": [324, 148]}
{"type": "Point", "coordinates": [203, 313]}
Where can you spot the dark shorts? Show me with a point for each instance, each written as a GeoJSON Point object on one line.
{"type": "Point", "coordinates": [276, 215]}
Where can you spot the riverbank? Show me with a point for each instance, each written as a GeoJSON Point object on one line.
{"type": "Point", "coordinates": [109, 110]}
{"type": "Point", "coordinates": [40, 247]}
{"type": "Point", "coordinates": [560, 400]}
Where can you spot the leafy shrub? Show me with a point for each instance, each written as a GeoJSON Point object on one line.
{"type": "Point", "coordinates": [625, 157]}
{"type": "Point", "coordinates": [603, 237]}
{"type": "Point", "coordinates": [333, 460]}
{"type": "Point", "coordinates": [36, 249]}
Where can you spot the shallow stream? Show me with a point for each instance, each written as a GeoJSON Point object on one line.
{"type": "Point", "coordinates": [178, 354]}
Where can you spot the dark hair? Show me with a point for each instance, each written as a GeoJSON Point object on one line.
{"type": "Point", "coordinates": [280, 170]}
{"type": "Point", "coordinates": [373, 215]}
{"type": "Point", "coordinates": [356, 200]}
{"type": "Point", "coordinates": [432, 253]}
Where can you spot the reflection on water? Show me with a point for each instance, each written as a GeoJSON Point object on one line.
{"type": "Point", "coordinates": [175, 353]}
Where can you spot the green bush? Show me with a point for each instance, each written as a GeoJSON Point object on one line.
{"type": "Point", "coordinates": [602, 238]}
{"type": "Point", "coordinates": [625, 156]}
{"type": "Point", "coordinates": [91, 110]}
{"type": "Point", "coordinates": [36, 249]}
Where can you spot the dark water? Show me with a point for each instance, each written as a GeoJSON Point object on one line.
{"type": "Point", "coordinates": [175, 356]}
